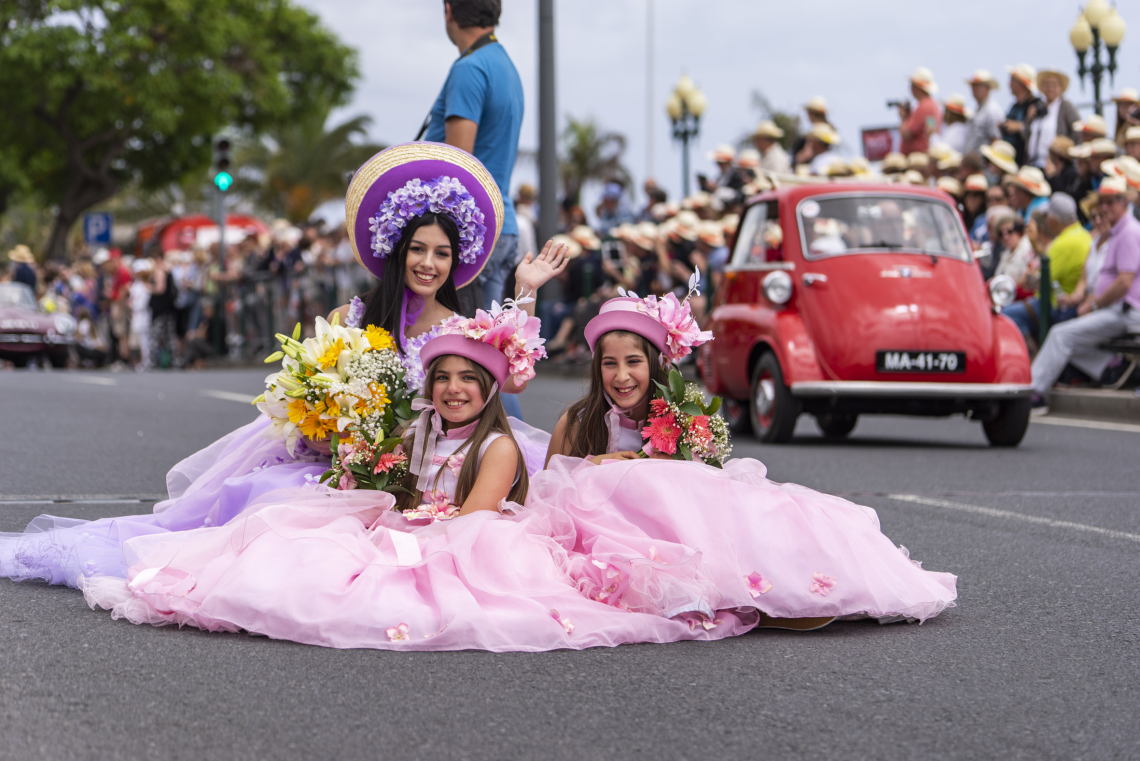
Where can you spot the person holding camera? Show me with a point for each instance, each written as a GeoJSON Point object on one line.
{"type": "Point", "coordinates": [924, 119]}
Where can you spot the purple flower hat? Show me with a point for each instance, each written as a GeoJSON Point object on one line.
{"type": "Point", "coordinates": [411, 179]}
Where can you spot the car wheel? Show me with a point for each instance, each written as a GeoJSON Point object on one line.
{"type": "Point", "coordinates": [1007, 429]}
{"type": "Point", "coordinates": [771, 406]}
{"type": "Point", "coordinates": [735, 412]}
{"type": "Point", "coordinates": [20, 360]}
{"type": "Point", "coordinates": [836, 425]}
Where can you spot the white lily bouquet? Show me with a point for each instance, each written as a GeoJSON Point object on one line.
{"type": "Point", "coordinates": [343, 388]}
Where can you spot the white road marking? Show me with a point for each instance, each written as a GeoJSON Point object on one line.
{"type": "Point", "coordinates": [94, 380]}
{"type": "Point", "coordinates": [995, 513]}
{"type": "Point", "coordinates": [84, 499]}
{"type": "Point", "coordinates": [228, 396]}
{"type": "Point", "coordinates": [1080, 423]}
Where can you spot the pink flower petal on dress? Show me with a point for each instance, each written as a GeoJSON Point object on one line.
{"type": "Point", "coordinates": [822, 585]}
{"type": "Point", "coordinates": [564, 622]}
{"type": "Point", "coordinates": [396, 633]}
{"type": "Point", "coordinates": [757, 584]}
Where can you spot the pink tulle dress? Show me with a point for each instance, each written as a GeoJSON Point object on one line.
{"type": "Point", "coordinates": [342, 569]}
{"type": "Point", "coordinates": [787, 550]}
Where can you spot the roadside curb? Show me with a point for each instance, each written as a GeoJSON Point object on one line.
{"type": "Point", "coordinates": [1097, 404]}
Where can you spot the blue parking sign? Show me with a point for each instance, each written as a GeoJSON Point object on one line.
{"type": "Point", "coordinates": [97, 228]}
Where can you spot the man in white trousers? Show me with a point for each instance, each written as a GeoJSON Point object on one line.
{"type": "Point", "coordinates": [1113, 308]}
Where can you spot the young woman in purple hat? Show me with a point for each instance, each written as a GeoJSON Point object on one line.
{"type": "Point", "coordinates": [423, 218]}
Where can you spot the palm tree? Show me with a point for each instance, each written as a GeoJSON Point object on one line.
{"type": "Point", "coordinates": [588, 154]}
{"type": "Point", "coordinates": [302, 165]}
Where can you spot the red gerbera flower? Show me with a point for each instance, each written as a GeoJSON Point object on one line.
{"type": "Point", "coordinates": [663, 433]}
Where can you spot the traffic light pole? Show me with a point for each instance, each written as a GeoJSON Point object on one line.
{"type": "Point", "coordinates": [220, 220]}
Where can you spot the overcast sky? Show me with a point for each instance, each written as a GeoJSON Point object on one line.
{"type": "Point", "coordinates": [856, 54]}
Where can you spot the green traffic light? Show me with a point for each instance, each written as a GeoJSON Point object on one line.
{"type": "Point", "coordinates": [223, 181]}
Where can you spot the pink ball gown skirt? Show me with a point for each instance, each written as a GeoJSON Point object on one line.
{"type": "Point", "coordinates": [787, 550]}
{"type": "Point", "coordinates": [340, 569]}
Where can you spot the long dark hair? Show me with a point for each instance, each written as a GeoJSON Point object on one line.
{"type": "Point", "coordinates": [492, 420]}
{"type": "Point", "coordinates": [586, 418]}
{"type": "Point", "coordinates": [383, 303]}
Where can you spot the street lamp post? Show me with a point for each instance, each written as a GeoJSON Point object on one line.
{"type": "Point", "coordinates": [1097, 22]}
{"type": "Point", "coordinates": [685, 107]}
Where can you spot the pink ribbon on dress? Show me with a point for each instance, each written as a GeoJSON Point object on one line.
{"type": "Point", "coordinates": [428, 428]}
{"type": "Point", "coordinates": [616, 419]}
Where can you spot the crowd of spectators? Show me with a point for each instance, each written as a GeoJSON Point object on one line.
{"type": "Point", "coordinates": [180, 308]}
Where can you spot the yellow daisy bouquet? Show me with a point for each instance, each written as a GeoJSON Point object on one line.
{"type": "Point", "coordinates": [343, 384]}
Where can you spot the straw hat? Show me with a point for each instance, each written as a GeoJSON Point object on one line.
{"type": "Point", "coordinates": [21, 254]}
{"type": "Point", "coordinates": [1093, 125]}
{"type": "Point", "coordinates": [1023, 73]}
{"type": "Point", "coordinates": [645, 235]}
{"type": "Point", "coordinates": [723, 153]}
{"type": "Point", "coordinates": [951, 162]}
{"type": "Point", "coordinates": [1032, 180]}
{"type": "Point", "coordinates": [749, 159]}
{"type": "Point", "coordinates": [983, 77]}
{"type": "Point", "coordinates": [685, 225]}
{"type": "Point", "coordinates": [917, 160]}
{"type": "Point", "coordinates": [1082, 151]}
{"type": "Point", "coordinates": [585, 236]}
{"type": "Point", "coordinates": [1129, 168]}
{"type": "Point", "coordinates": [1060, 76]}
{"type": "Point", "coordinates": [1087, 203]}
{"type": "Point", "coordinates": [573, 248]}
{"type": "Point", "coordinates": [923, 79]}
{"type": "Point", "coordinates": [893, 162]}
{"type": "Point", "coordinates": [624, 231]}
{"type": "Point", "coordinates": [950, 186]}
{"type": "Point", "coordinates": [1002, 155]}
{"type": "Point", "coordinates": [1131, 135]}
{"type": "Point", "coordinates": [1060, 146]}
{"type": "Point", "coordinates": [1102, 146]}
{"type": "Point", "coordinates": [977, 183]}
{"type": "Point", "coordinates": [1128, 95]}
{"type": "Point", "coordinates": [1111, 186]}
{"type": "Point", "coordinates": [711, 233]}
{"type": "Point", "coordinates": [938, 151]}
{"type": "Point", "coordinates": [729, 223]}
{"type": "Point", "coordinates": [824, 133]}
{"type": "Point", "coordinates": [860, 167]}
{"type": "Point", "coordinates": [956, 103]}
{"type": "Point", "coordinates": [817, 104]}
{"type": "Point", "coordinates": [699, 200]}
{"type": "Point", "coordinates": [912, 177]}
{"type": "Point", "coordinates": [839, 168]}
{"type": "Point", "coordinates": [768, 128]}
{"type": "Point", "coordinates": [376, 183]}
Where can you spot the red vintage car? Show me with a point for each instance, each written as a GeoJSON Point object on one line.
{"type": "Point", "coordinates": [841, 300]}
{"type": "Point", "coordinates": [27, 333]}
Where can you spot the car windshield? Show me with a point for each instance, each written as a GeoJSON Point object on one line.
{"type": "Point", "coordinates": [17, 295]}
{"type": "Point", "coordinates": [853, 224]}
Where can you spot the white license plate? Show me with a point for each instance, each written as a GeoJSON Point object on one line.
{"type": "Point", "coordinates": [902, 361]}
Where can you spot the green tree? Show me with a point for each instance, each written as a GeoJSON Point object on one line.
{"type": "Point", "coordinates": [100, 93]}
{"type": "Point", "coordinates": [303, 164]}
{"type": "Point", "coordinates": [589, 153]}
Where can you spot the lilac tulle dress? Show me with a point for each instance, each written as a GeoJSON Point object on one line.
{"type": "Point", "coordinates": [208, 488]}
{"type": "Point", "coordinates": [342, 569]}
{"type": "Point", "coordinates": [784, 549]}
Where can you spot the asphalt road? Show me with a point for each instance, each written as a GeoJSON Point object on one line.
{"type": "Point", "coordinates": [1040, 660]}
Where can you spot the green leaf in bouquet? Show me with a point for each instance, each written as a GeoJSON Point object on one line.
{"type": "Point", "coordinates": [685, 451]}
{"type": "Point", "coordinates": [327, 475]}
{"type": "Point", "coordinates": [379, 484]}
{"type": "Point", "coordinates": [274, 357]}
{"type": "Point", "coordinates": [359, 470]}
{"type": "Point", "coordinates": [396, 488]}
{"type": "Point", "coordinates": [391, 441]}
{"type": "Point", "coordinates": [403, 410]}
{"type": "Point", "coordinates": [666, 394]}
{"type": "Point", "coordinates": [714, 406]}
{"type": "Point", "coordinates": [691, 409]}
{"type": "Point", "coordinates": [715, 463]}
{"type": "Point", "coordinates": [677, 385]}
{"type": "Point", "coordinates": [297, 332]}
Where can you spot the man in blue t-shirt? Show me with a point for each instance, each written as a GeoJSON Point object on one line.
{"type": "Point", "coordinates": [480, 110]}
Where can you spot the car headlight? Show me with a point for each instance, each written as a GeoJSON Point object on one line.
{"type": "Point", "coordinates": [1003, 291]}
{"type": "Point", "coordinates": [778, 287]}
{"type": "Point", "coordinates": [64, 324]}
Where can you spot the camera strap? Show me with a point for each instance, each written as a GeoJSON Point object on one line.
{"type": "Point", "coordinates": [482, 42]}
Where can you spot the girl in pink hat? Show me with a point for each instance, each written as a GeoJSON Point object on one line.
{"type": "Point", "coordinates": [458, 564]}
{"type": "Point", "coordinates": [793, 557]}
